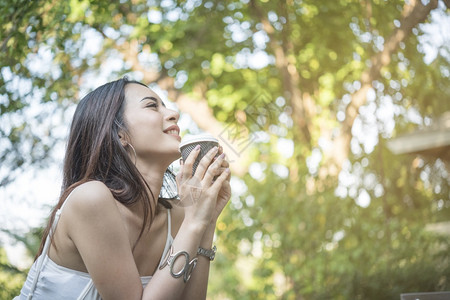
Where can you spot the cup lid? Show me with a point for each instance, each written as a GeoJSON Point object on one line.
{"type": "Point", "coordinates": [191, 138]}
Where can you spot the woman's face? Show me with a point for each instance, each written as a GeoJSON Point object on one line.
{"type": "Point", "coordinates": [152, 127]}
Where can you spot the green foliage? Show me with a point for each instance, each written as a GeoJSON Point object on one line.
{"type": "Point", "coordinates": [31, 240]}
{"type": "Point", "coordinates": [325, 247]}
{"type": "Point", "coordinates": [11, 279]}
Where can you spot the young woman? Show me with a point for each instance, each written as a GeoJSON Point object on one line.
{"type": "Point", "coordinates": [111, 236]}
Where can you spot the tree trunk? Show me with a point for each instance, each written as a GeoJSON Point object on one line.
{"type": "Point", "coordinates": [414, 13]}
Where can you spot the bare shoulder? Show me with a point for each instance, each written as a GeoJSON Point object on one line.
{"type": "Point", "coordinates": [89, 200]}
{"type": "Point", "coordinates": [90, 195]}
{"type": "Point", "coordinates": [102, 243]}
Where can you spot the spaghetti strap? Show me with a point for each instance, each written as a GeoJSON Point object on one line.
{"type": "Point", "coordinates": [47, 243]}
{"type": "Point", "coordinates": [169, 225]}
{"type": "Point", "coordinates": [169, 239]}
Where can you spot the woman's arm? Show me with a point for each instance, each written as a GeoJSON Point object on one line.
{"type": "Point", "coordinates": [102, 241]}
{"type": "Point", "coordinates": [163, 285]}
{"type": "Point", "coordinates": [198, 225]}
{"type": "Point", "coordinates": [197, 286]}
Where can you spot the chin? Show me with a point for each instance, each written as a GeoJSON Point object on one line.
{"type": "Point", "coordinates": [172, 155]}
{"type": "Point", "coordinates": [176, 155]}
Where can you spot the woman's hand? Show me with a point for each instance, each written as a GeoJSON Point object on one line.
{"type": "Point", "coordinates": [199, 192]}
{"type": "Point", "coordinates": [225, 190]}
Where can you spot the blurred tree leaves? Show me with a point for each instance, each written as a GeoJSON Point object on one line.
{"type": "Point", "coordinates": [11, 279]}
{"type": "Point", "coordinates": [286, 72]}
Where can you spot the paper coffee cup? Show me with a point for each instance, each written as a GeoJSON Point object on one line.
{"type": "Point", "coordinates": [189, 142]}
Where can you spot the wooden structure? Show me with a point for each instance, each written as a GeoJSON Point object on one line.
{"type": "Point", "coordinates": [434, 142]}
{"type": "Point", "coordinates": [431, 141]}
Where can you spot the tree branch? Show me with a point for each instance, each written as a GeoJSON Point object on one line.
{"type": "Point", "coordinates": [16, 19]}
{"type": "Point", "coordinates": [414, 13]}
{"type": "Point", "coordinates": [289, 75]}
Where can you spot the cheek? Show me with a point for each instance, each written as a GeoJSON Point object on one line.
{"type": "Point", "coordinates": [145, 126]}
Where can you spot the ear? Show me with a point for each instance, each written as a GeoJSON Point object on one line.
{"type": "Point", "coordinates": [123, 139]}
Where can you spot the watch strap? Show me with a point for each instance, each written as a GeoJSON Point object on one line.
{"type": "Point", "coordinates": [210, 254]}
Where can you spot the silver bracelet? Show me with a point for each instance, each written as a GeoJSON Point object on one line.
{"type": "Point", "coordinates": [186, 271]}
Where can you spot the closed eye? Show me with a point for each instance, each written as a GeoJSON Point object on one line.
{"type": "Point", "coordinates": [152, 105]}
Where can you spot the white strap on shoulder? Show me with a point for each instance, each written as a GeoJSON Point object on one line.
{"type": "Point", "coordinates": [40, 261]}
{"type": "Point", "coordinates": [169, 225]}
{"type": "Point", "coordinates": [169, 239]}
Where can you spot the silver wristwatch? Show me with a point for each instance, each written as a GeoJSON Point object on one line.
{"type": "Point", "coordinates": [211, 253]}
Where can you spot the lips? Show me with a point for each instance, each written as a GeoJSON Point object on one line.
{"type": "Point", "coordinates": [173, 130]}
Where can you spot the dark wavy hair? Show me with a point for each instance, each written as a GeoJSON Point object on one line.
{"type": "Point", "coordinates": [95, 152]}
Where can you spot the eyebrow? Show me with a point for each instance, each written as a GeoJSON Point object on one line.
{"type": "Point", "coordinates": [152, 98]}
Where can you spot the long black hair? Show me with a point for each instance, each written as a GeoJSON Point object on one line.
{"type": "Point", "coordinates": [95, 152]}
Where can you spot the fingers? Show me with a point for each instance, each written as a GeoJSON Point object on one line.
{"type": "Point", "coordinates": [225, 163]}
{"type": "Point", "coordinates": [229, 175]}
{"type": "Point", "coordinates": [205, 162]}
{"type": "Point", "coordinates": [214, 169]}
{"type": "Point", "coordinates": [186, 171]}
{"type": "Point", "coordinates": [220, 180]}
{"type": "Point", "coordinates": [179, 176]}
{"type": "Point", "coordinates": [220, 171]}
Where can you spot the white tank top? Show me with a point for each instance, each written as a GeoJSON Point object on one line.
{"type": "Point", "coordinates": [48, 280]}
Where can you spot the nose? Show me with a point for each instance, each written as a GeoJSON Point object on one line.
{"type": "Point", "coordinates": [172, 115]}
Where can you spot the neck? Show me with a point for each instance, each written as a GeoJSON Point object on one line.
{"type": "Point", "coordinates": [153, 174]}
